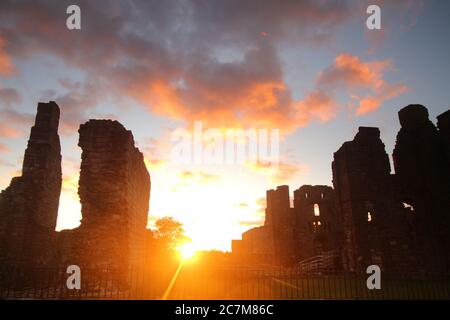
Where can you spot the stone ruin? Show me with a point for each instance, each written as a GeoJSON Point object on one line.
{"type": "Point", "coordinates": [310, 228]}
{"type": "Point", "coordinates": [421, 161]}
{"type": "Point", "coordinates": [114, 191]}
{"type": "Point", "coordinates": [375, 224]}
{"type": "Point", "coordinates": [29, 206]}
{"type": "Point", "coordinates": [317, 219]}
{"type": "Point", "coordinates": [279, 222]}
{"type": "Point", "coordinates": [400, 221]}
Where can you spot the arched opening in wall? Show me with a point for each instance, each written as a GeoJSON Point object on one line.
{"type": "Point", "coordinates": [306, 195]}
{"type": "Point", "coordinates": [321, 195]}
{"type": "Point", "coordinates": [316, 210]}
{"type": "Point", "coordinates": [369, 216]}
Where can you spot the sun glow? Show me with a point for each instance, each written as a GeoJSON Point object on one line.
{"type": "Point", "coordinates": [187, 251]}
{"type": "Point", "coordinates": [215, 205]}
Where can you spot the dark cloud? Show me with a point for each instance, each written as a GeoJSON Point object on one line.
{"type": "Point", "coordinates": [77, 103]}
{"type": "Point", "coordinates": [353, 74]}
{"type": "Point", "coordinates": [397, 17]}
{"type": "Point", "coordinates": [9, 97]}
{"type": "Point", "coordinates": [174, 56]}
{"type": "Point", "coordinates": [11, 119]}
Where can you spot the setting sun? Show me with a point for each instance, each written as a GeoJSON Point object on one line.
{"type": "Point", "coordinates": [187, 251]}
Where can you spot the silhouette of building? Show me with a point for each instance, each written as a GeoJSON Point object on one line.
{"type": "Point", "coordinates": [318, 222]}
{"type": "Point", "coordinates": [421, 164]}
{"type": "Point", "coordinates": [280, 223]}
{"type": "Point", "coordinates": [114, 190]}
{"type": "Point", "coordinates": [29, 206]}
{"type": "Point", "coordinates": [256, 246]}
{"type": "Point", "coordinates": [291, 234]}
{"type": "Point", "coordinates": [400, 221]}
{"type": "Point", "coordinates": [374, 224]}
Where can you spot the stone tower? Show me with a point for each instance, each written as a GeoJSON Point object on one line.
{"type": "Point", "coordinates": [29, 206]}
{"type": "Point", "coordinates": [318, 222]}
{"type": "Point", "coordinates": [280, 222]}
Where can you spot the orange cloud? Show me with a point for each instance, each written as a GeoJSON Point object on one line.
{"type": "Point", "coordinates": [286, 171]}
{"type": "Point", "coordinates": [188, 178]}
{"type": "Point", "coordinates": [9, 132]}
{"type": "Point", "coordinates": [317, 104]}
{"type": "Point", "coordinates": [10, 118]}
{"type": "Point", "coordinates": [154, 164]}
{"type": "Point", "coordinates": [372, 103]}
{"type": "Point", "coordinates": [6, 65]}
{"type": "Point", "coordinates": [4, 148]}
{"type": "Point", "coordinates": [198, 176]}
{"type": "Point", "coordinates": [252, 92]}
{"type": "Point", "coordinates": [351, 73]}
{"type": "Point", "coordinates": [187, 79]}
{"type": "Point", "coordinates": [278, 174]}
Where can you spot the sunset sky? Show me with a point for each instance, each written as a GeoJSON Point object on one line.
{"type": "Point", "coordinates": [308, 68]}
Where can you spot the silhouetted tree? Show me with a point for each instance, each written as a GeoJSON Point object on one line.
{"type": "Point", "coordinates": [169, 233]}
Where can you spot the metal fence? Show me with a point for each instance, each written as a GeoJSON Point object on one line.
{"type": "Point", "coordinates": [193, 282]}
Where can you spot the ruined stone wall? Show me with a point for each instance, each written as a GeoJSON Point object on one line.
{"type": "Point", "coordinates": [29, 206]}
{"type": "Point", "coordinates": [114, 190]}
{"type": "Point", "coordinates": [258, 240]}
{"type": "Point", "coordinates": [277, 206]}
{"type": "Point", "coordinates": [422, 170]}
{"type": "Point", "coordinates": [400, 221]}
{"type": "Point", "coordinates": [255, 247]}
{"type": "Point", "coordinates": [293, 234]}
{"type": "Point", "coordinates": [280, 223]}
{"type": "Point", "coordinates": [318, 223]}
{"type": "Point", "coordinates": [373, 222]}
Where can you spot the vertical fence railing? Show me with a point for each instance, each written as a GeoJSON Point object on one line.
{"type": "Point", "coordinates": [193, 282]}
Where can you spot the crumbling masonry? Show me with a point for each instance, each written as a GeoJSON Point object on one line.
{"type": "Point", "coordinates": [421, 161]}
{"type": "Point", "coordinates": [400, 221]}
{"type": "Point", "coordinates": [376, 227]}
{"type": "Point", "coordinates": [29, 206]}
{"type": "Point", "coordinates": [114, 190]}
